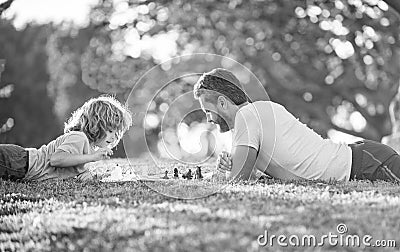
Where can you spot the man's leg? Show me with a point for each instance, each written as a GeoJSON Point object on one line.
{"type": "Point", "coordinates": [13, 161]}
{"type": "Point", "coordinates": [378, 161]}
{"type": "Point", "coordinates": [391, 168]}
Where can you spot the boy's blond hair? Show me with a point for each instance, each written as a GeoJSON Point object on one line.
{"type": "Point", "coordinates": [97, 116]}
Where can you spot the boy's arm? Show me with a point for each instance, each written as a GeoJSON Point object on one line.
{"type": "Point", "coordinates": [243, 162]}
{"type": "Point", "coordinates": [65, 159]}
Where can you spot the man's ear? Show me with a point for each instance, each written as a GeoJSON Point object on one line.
{"type": "Point", "coordinates": [222, 102]}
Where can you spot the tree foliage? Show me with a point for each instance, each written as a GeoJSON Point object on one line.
{"type": "Point", "coordinates": [5, 92]}
{"type": "Point", "coordinates": [26, 74]}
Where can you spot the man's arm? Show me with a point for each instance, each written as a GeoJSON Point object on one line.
{"type": "Point", "coordinates": [243, 162]}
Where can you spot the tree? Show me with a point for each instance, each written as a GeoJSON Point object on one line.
{"type": "Point", "coordinates": [29, 106]}
{"type": "Point", "coordinates": [5, 92]}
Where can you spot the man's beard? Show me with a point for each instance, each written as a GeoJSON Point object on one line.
{"type": "Point", "coordinates": [223, 125]}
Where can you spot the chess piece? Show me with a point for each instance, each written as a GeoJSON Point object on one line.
{"type": "Point", "coordinates": [116, 173]}
{"type": "Point", "coordinates": [188, 175]}
{"type": "Point", "coordinates": [176, 174]}
{"type": "Point", "coordinates": [166, 175]}
{"type": "Point", "coordinates": [198, 174]}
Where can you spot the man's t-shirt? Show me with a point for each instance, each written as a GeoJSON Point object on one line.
{"type": "Point", "coordinates": [287, 148]}
{"type": "Point", "coordinates": [74, 142]}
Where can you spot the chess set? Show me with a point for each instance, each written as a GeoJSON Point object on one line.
{"type": "Point", "coordinates": [187, 175]}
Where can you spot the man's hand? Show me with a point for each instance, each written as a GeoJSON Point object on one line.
{"type": "Point", "coordinates": [243, 162]}
{"type": "Point", "coordinates": [224, 162]}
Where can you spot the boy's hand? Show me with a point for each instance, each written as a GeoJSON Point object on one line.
{"type": "Point", "coordinates": [87, 175]}
{"type": "Point", "coordinates": [101, 154]}
{"type": "Point", "coordinates": [224, 162]}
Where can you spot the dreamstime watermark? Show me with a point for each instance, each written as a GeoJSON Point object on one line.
{"type": "Point", "coordinates": [339, 238]}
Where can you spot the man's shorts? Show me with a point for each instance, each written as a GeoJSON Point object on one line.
{"type": "Point", "coordinates": [372, 160]}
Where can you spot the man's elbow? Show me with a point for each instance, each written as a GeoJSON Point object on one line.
{"type": "Point", "coordinates": [237, 177]}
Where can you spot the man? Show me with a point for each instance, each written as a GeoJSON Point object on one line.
{"type": "Point", "coordinates": [266, 137]}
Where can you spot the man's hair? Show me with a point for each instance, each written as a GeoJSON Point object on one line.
{"type": "Point", "coordinates": [97, 116]}
{"type": "Point", "coordinates": [218, 82]}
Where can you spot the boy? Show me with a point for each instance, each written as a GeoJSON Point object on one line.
{"type": "Point", "coordinates": [89, 135]}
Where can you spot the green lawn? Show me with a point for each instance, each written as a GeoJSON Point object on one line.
{"type": "Point", "coordinates": [132, 216]}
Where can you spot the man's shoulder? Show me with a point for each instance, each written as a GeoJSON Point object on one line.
{"type": "Point", "coordinates": [255, 112]}
{"type": "Point", "coordinates": [260, 104]}
{"type": "Point", "coordinates": [261, 107]}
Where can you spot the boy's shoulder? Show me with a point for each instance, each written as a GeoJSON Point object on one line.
{"type": "Point", "coordinates": [74, 135]}
{"type": "Point", "coordinates": [73, 139]}
{"type": "Point", "coordinates": [75, 132]}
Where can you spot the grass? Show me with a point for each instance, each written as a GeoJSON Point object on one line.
{"type": "Point", "coordinates": [132, 216]}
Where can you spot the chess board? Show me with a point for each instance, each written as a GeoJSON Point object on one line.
{"type": "Point", "coordinates": [155, 178]}
{"type": "Point", "coordinates": [140, 170]}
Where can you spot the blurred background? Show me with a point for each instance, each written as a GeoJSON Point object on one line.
{"type": "Point", "coordinates": [334, 64]}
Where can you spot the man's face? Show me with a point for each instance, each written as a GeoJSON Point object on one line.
{"type": "Point", "coordinates": [214, 114]}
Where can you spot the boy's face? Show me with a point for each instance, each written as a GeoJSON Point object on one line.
{"type": "Point", "coordinates": [109, 140]}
